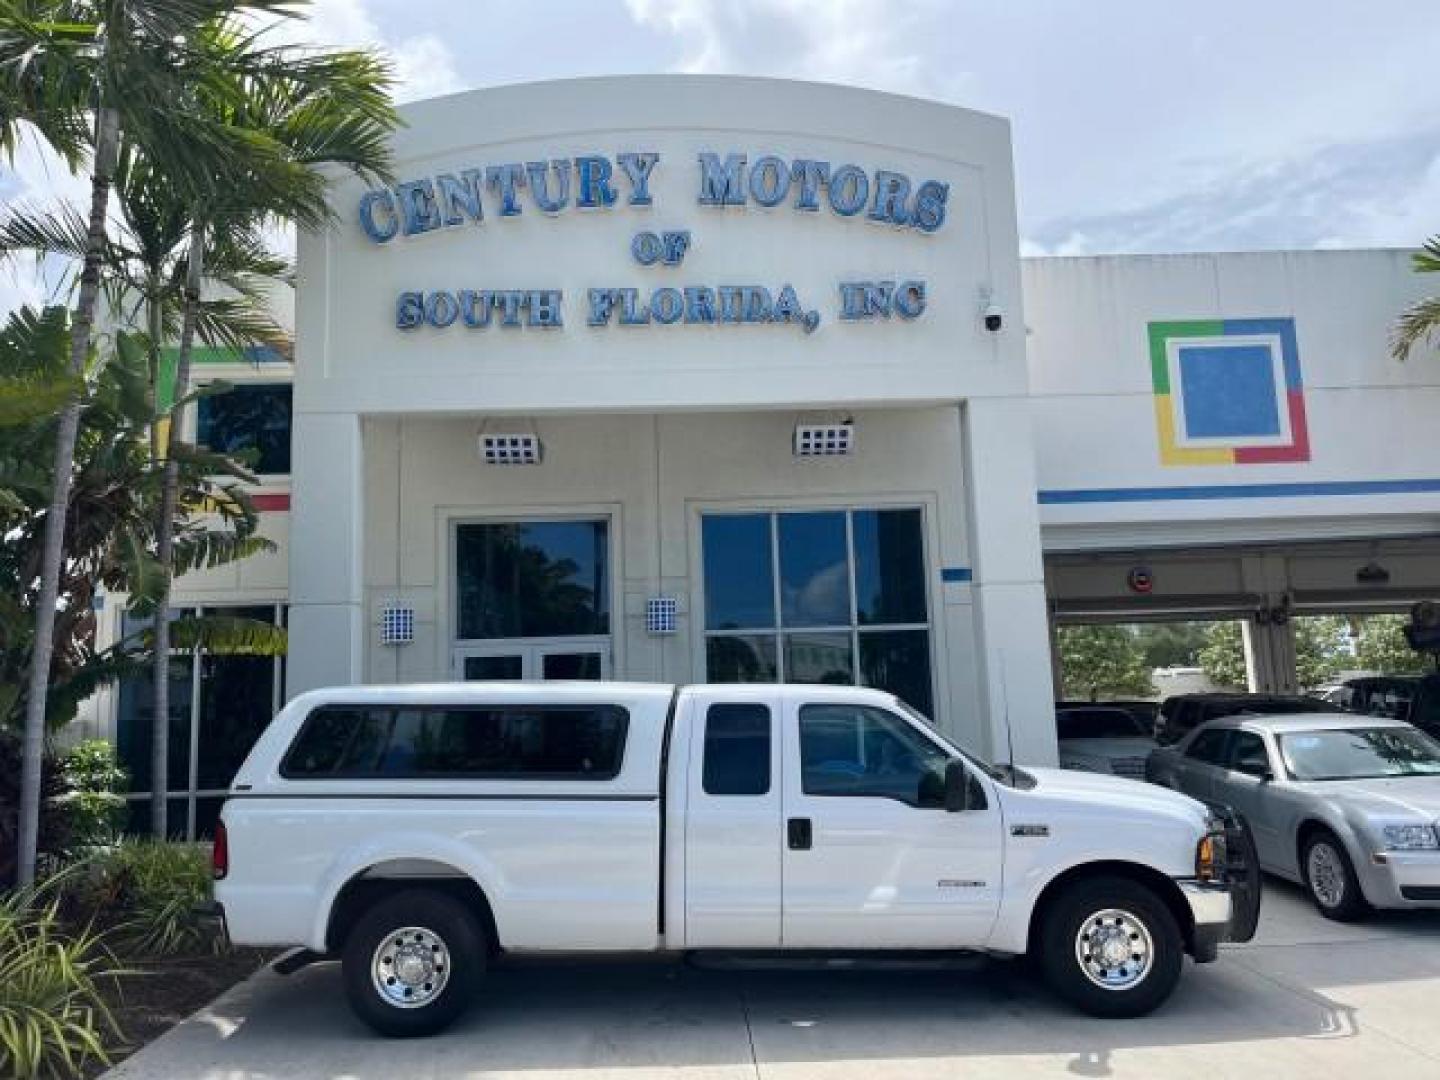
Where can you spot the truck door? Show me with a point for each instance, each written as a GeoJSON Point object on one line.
{"type": "Point", "coordinates": [872, 858]}
{"type": "Point", "coordinates": [732, 821]}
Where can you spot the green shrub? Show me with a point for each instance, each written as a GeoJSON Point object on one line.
{"type": "Point", "coordinates": [94, 801]}
{"type": "Point", "coordinates": [54, 838]}
{"type": "Point", "coordinates": [53, 1016]}
{"type": "Point", "coordinates": [147, 894]}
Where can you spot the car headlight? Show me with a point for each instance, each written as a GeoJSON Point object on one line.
{"type": "Point", "coordinates": [1410, 838]}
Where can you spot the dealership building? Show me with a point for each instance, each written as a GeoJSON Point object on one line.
{"type": "Point", "coordinates": [719, 379]}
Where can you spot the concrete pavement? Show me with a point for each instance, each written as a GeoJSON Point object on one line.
{"type": "Point", "coordinates": [1307, 997]}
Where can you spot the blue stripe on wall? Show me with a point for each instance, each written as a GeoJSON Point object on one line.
{"type": "Point", "coordinates": [956, 573]}
{"type": "Point", "coordinates": [1239, 491]}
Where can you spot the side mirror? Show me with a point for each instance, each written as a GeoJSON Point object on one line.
{"type": "Point", "coordinates": [957, 787]}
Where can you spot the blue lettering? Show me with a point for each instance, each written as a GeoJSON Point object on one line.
{"type": "Point", "coordinates": [441, 309]}
{"type": "Point", "coordinates": [676, 245]}
{"type": "Point", "coordinates": [409, 310]}
{"type": "Point", "coordinates": [417, 206]}
{"type": "Point", "coordinates": [459, 194]}
{"type": "Point", "coordinates": [910, 299]}
{"type": "Point", "coordinates": [699, 304]}
{"type": "Point", "coordinates": [892, 189]}
{"type": "Point", "coordinates": [374, 230]}
{"type": "Point", "coordinates": [602, 305]}
{"type": "Point", "coordinates": [647, 248]}
{"type": "Point", "coordinates": [540, 174]}
{"type": "Point", "coordinates": [722, 185]}
{"type": "Point", "coordinates": [632, 312]}
{"type": "Point", "coordinates": [595, 189]}
{"type": "Point", "coordinates": [849, 190]}
{"type": "Point", "coordinates": [637, 170]}
{"type": "Point", "coordinates": [730, 302]}
{"type": "Point", "coordinates": [811, 174]}
{"type": "Point", "coordinates": [475, 308]}
{"type": "Point", "coordinates": [506, 179]}
{"type": "Point", "coordinates": [787, 305]}
{"type": "Point", "coordinates": [666, 305]}
{"type": "Point", "coordinates": [510, 301]}
{"type": "Point", "coordinates": [544, 307]}
{"type": "Point", "coordinates": [929, 213]}
{"type": "Point", "coordinates": [757, 307]}
{"type": "Point", "coordinates": [769, 181]}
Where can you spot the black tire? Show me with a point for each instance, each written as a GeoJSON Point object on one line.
{"type": "Point", "coordinates": [1083, 903]}
{"type": "Point", "coordinates": [431, 917]}
{"type": "Point", "coordinates": [1351, 904]}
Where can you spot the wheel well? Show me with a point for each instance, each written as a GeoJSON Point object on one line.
{"type": "Point", "coordinates": [1160, 884]}
{"type": "Point", "coordinates": [1308, 828]}
{"type": "Point", "coordinates": [376, 882]}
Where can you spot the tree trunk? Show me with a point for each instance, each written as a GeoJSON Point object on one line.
{"type": "Point", "coordinates": [107, 144]}
{"type": "Point", "coordinates": [165, 537]}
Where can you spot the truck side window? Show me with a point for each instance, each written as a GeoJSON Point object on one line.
{"type": "Point", "coordinates": [867, 752]}
{"type": "Point", "coordinates": [737, 750]}
{"type": "Point", "coordinates": [464, 742]}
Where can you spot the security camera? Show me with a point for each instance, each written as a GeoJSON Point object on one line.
{"type": "Point", "coordinates": [994, 317]}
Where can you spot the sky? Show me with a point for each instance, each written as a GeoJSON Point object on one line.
{"type": "Point", "coordinates": [1138, 126]}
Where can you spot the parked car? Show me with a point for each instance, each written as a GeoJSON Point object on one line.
{"type": "Point", "coordinates": [1182, 713]}
{"type": "Point", "coordinates": [412, 832]}
{"type": "Point", "coordinates": [1413, 698]}
{"type": "Point", "coordinates": [1344, 805]}
{"type": "Point", "coordinates": [1103, 738]}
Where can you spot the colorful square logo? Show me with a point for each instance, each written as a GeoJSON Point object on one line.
{"type": "Point", "coordinates": [1228, 392]}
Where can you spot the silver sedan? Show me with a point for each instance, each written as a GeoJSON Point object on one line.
{"type": "Point", "coordinates": [1346, 806]}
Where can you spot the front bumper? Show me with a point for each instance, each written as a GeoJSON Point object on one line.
{"type": "Point", "coordinates": [1212, 913]}
{"type": "Point", "coordinates": [1402, 879]}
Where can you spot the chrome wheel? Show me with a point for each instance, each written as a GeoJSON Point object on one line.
{"type": "Point", "coordinates": [1326, 874]}
{"type": "Point", "coordinates": [410, 967]}
{"type": "Point", "coordinates": [1114, 949]}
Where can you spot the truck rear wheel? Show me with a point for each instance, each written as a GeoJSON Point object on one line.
{"type": "Point", "coordinates": [1111, 947]}
{"type": "Point", "coordinates": [412, 962]}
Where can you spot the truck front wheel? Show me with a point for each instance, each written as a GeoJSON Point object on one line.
{"type": "Point", "coordinates": [1111, 947]}
{"type": "Point", "coordinates": [412, 962]}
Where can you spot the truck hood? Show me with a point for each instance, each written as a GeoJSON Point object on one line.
{"type": "Point", "coordinates": [1117, 794]}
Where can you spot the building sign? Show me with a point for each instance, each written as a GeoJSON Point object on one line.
{"type": "Point", "coordinates": [473, 196]}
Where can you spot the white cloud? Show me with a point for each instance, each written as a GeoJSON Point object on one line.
{"type": "Point", "coordinates": [845, 41]}
{"type": "Point", "coordinates": [424, 63]}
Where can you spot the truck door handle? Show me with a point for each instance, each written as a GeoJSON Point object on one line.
{"type": "Point", "coordinates": [797, 833]}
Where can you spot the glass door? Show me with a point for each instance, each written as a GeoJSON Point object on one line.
{"type": "Point", "coordinates": [586, 660]}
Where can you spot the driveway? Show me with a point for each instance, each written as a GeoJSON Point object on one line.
{"type": "Point", "coordinates": [1307, 998]}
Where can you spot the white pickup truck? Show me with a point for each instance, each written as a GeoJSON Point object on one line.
{"type": "Point", "coordinates": [415, 832]}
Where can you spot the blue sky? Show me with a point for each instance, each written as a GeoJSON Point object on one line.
{"type": "Point", "coordinates": [1138, 126]}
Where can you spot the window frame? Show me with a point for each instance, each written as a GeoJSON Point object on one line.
{"type": "Point", "coordinates": [777, 631]}
{"type": "Point", "coordinates": [246, 381]}
{"type": "Point", "coordinates": [191, 793]}
{"type": "Point", "coordinates": [620, 711]}
{"type": "Point", "coordinates": [770, 736]}
{"type": "Point", "coordinates": [905, 722]}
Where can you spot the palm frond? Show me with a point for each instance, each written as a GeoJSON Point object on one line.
{"type": "Point", "coordinates": [1418, 324]}
{"type": "Point", "coordinates": [228, 635]}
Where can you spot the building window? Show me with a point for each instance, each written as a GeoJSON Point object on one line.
{"type": "Point", "coordinates": [250, 419]}
{"type": "Point", "coordinates": [832, 596]}
{"type": "Point", "coordinates": [532, 579]}
{"type": "Point", "coordinates": [219, 705]}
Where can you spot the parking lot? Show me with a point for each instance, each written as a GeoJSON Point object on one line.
{"type": "Point", "coordinates": [1307, 997]}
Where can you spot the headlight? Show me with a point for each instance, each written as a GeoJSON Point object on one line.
{"type": "Point", "coordinates": [1410, 838]}
{"type": "Point", "coordinates": [1210, 857]}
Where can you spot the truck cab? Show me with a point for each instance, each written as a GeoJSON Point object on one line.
{"type": "Point", "coordinates": [415, 833]}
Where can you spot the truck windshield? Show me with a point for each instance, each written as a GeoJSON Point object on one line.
{"type": "Point", "coordinates": [1008, 775]}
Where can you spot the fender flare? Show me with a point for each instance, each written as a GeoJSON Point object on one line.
{"type": "Point", "coordinates": [354, 861]}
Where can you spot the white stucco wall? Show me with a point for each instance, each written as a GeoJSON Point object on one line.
{"type": "Point", "coordinates": [1371, 419]}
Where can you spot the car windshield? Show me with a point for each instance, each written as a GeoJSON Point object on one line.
{"type": "Point", "coordinates": [1359, 753]}
{"type": "Point", "coordinates": [1098, 724]}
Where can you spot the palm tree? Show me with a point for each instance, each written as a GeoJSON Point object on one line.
{"type": "Point", "coordinates": [1422, 318]}
{"type": "Point", "coordinates": [81, 73]}
{"type": "Point", "coordinates": [112, 518]}
{"type": "Point", "coordinates": [317, 110]}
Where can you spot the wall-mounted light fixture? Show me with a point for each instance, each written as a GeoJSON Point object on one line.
{"type": "Point", "coordinates": [397, 624]}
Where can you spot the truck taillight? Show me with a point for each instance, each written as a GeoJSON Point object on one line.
{"type": "Point", "coordinates": [220, 852]}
